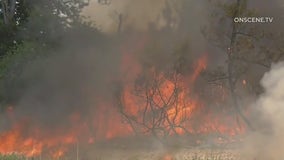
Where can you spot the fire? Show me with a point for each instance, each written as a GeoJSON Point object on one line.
{"type": "Point", "coordinates": [58, 154]}
{"type": "Point", "coordinates": [168, 103]}
{"type": "Point", "coordinates": [244, 82]}
{"type": "Point", "coordinates": [163, 104]}
{"type": "Point", "coordinates": [12, 141]}
{"type": "Point", "coordinates": [167, 157]}
{"type": "Point", "coordinates": [35, 141]}
{"type": "Point", "coordinates": [199, 67]}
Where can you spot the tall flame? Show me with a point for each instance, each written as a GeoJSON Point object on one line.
{"type": "Point", "coordinates": [162, 102]}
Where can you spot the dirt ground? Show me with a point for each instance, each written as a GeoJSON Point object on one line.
{"type": "Point", "coordinates": [164, 154]}
{"type": "Point", "coordinates": [150, 149]}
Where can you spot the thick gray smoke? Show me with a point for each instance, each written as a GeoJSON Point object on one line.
{"type": "Point", "coordinates": [82, 73]}
{"type": "Point", "coordinates": [72, 80]}
{"type": "Point", "coordinates": [268, 143]}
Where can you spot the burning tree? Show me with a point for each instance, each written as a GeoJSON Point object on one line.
{"type": "Point", "coordinates": [167, 101]}
{"type": "Point", "coordinates": [156, 105]}
{"type": "Point", "coordinates": [246, 49]}
{"type": "Point", "coordinates": [166, 93]}
{"type": "Point", "coordinates": [158, 102]}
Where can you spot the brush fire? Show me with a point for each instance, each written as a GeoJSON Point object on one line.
{"type": "Point", "coordinates": [143, 84]}
{"type": "Point", "coordinates": [162, 105]}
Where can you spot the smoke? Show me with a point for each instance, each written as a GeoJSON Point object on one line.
{"type": "Point", "coordinates": [80, 77]}
{"type": "Point", "coordinates": [268, 141]}
{"type": "Point", "coordinates": [136, 14]}
{"type": "Point", "coordinates": [70, 80]}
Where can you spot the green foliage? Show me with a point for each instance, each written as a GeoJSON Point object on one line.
{"type": "Point", "coordinates": [7, 37]}
{"type": "Point", "coordinates": [12, 157]}
{"type": "Point", "coordinates": [8, 31]}
{"type": "Point", "coordinates": [39, 20]}
{"type": "Point", "coordinates": [11, 67]}
{"type": "Point", "coordinates": [17, 57]}
{"type": "Point", "coordinates": [36, 30]}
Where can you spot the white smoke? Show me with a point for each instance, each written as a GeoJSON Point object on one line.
{"type": "Point", "coordinates": [269, 145]}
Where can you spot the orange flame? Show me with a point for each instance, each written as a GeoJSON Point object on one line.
{"type": "Point", "coordinates": [167, 157]}
{"type": "Point", "coordinates": [172, 99]}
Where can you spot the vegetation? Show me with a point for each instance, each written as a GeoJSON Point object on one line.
{"type": "Point", "coordinates": [243, 45]}
{"type": "Point", "coordinates": [31, 31]}
{"type": "Point", "coordinates": [35, 29]}
{"type": "Point", "coordinates": [12, 157]}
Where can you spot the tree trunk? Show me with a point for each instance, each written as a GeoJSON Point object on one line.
{"type": "Point", "coordinates": [231, 77]}
{"type": "Point", "coordinates": [8, 10]}
{"type": "Point", "coordinates": [119, 23]}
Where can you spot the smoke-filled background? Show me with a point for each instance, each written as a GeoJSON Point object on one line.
{"type": "Point", "coordinates": [84, 80]}
{"type": "Point", "coordinates": [84, 69]}
{"type": "Point", "coordinates": [267, 143]}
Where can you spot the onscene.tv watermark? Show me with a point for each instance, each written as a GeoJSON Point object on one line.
{"type": "Point", "coordinates": [253, 19]}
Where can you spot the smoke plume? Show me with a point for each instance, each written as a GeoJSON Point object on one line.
{"type": "Point", "coordinates": [268, 141]}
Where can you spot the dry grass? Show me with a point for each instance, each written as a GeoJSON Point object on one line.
{"type": "Point", "coordinates": [182, 154]}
